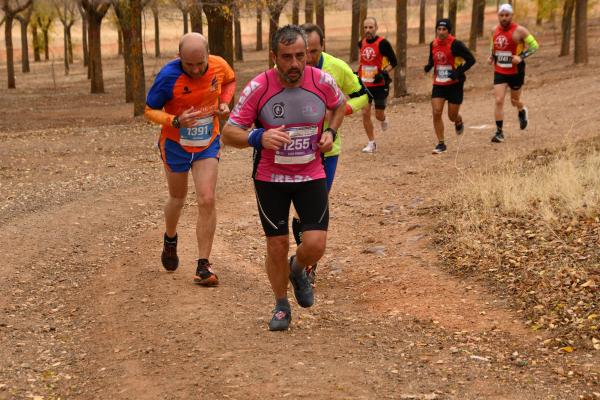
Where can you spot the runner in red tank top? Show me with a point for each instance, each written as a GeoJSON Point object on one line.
{"type": "Point", "coordinates": [377, 59]}
{"type": "Point", "coordinates": [450, 59]}
{"type": "Point", "coordinates": [511, 44]}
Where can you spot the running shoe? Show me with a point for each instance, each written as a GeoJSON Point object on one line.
{"type": "Point", "coordinates": [204, 274]}
{"type": "Point", "coordinates": [371, 147]}
{"type": "Point", "coordinates": [282, 316]}
{"type": "Point", "coordinates": [459, 128]}
{"type": "Point", "coordinates": [303, 290]}
{"type": "Point", "coordinates": [439, 149]}
{"type": "Point", "coordinates": [311, 273]}
{"type": "Point", "coordinates": [384, 125]}
{"type": "Point", "coordinates": [523, 118]}
{"type": "Point", "coordinates": [498, 137]}
{"type": "Point", "coordinates": [169, 258]}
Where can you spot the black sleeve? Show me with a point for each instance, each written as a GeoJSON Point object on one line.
{"type": "Point", "coordinates": [359, 44]}
{"type": "Point", "coordinates": [430, 62]}
{"type": "Point", "coordinates": [460, 50]}
{"type": "Point", "coordinates": [385, 48]}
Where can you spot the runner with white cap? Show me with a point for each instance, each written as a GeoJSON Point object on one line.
{"type": "Point", "coordinates": [511, 44]}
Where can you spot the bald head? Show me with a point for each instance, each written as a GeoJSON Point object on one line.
{"type": "Point", "coordinates": [193, 52]}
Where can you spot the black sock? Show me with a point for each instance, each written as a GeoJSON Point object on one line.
{"type": "Point", "coordinates": [522, 113]}
{"type": "Point", "coordinates": [499, 125]}
{"type": "Point", "coordinates": [297, 230]}
{"type": "Point", "coordinates": [170, 240]}
{"type": "Point", "coordinates": [283, 303]}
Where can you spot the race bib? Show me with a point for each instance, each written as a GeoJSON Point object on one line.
{"type": "Point", "coordinates": [301, 149]}
{"type": "Point", "coordinates": [368, 73]}
{"type": "Point", "coordinates": [198, 136]}
{"type": "Point", "coordinates": [443, 73]}
{"type": "Point", "coordinates": [504, 59]}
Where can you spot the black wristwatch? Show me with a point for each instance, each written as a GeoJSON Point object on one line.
{"type": "Point", "coordinates": [333, 132]}
{"type": "Point", "coordinates": [175, 122]}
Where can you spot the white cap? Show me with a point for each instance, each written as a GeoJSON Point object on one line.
{"type": "Point", "coordinates": [505, 8]}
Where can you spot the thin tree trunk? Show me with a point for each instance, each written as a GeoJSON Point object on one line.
{"type": "Point", "coordinates": [70, 44]}
{"type": "Point", "coordinates": [452, 11]}
{"type": "Point", "coordinates": [581, 47]}
{"type": "Point", "coordinates": [439, 10]}
{"type": "Point", "coordinates": [295, 12]}
{"type": "Point", "coordinates": [538, 15]}
{"type": "Point", "coordinates": [239, 51]}
{"type": "Point", "coordinates": [422, 7]}
{"type": "Point", "coordinates": [480, 18]}
{"type": "Point", "coordinates": [309, 11]}
{"type": "Point", "coordinates": [220, 30]}
{"type": "Point", "coordinates": [127, 61]}
{"type": "Point", "coordinates": [156, 32]}
{"type": "Point", "coordinates": [320, 13]}
{"type": "Point", "coordinates": [567, 23]}
{"type": "Point", "coordinates": [137, 59]}
{"type": "Point", "coordinates": [364, 10]}
{"type": "Point", "coordinates": [259, 41]}
{"type": "Point", "coordinates": [36, 43]}
{"type": "Point", "coordinates": [46, 44]}
{"type": "Point", "coordinates": [473, 33]}
{"type": "Point", "coordinates": [97, 79]}
{"type": "Point", "coordinates": [66, 49]}
{"type": "Point", "coordinates": [401, 45]}
{"type": "Point", "coordinates": [355, 30]}
{"type": "Point", "coordinates": [196, 16]}
{"type": "Point", "coordinates": [275, 9]}
{"type": "Point", "coordinates": [185, 22]}
{"type": "Point", "coordinates": [24, 22]}
{"type": "Point", "coordinates": [10, 66]}
{"type": "Point", "coordinates": [119, 41]}
{"type": "Point", "coordinates": [84, 35]}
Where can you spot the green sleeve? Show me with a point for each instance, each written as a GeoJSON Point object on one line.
{"type": "Point", "coordinates": [352, 85]}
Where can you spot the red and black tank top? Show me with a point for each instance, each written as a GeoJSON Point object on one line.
{"type": "Point", "coordinates": [443, 61]}
{"type": "Point", "coordinates": [504, 49]}
{"type": "Point", "coordinates": [371, 62]}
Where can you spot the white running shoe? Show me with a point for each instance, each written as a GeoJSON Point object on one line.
{"type": "Point", "coordinates": [384, 125]}
{"type": "Point", "coordinates": [371, 147]}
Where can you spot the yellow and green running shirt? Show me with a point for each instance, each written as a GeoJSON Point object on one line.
{"type": "Point", "coordinates": [349, 84]}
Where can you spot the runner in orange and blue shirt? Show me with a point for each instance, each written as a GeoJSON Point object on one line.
{"type": "Point", "coordinates": [187, 98]}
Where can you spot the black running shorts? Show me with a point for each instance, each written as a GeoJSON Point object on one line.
{"type": "Point", "coordinates": [380, 94]}
{"type": "Point", "coordinates": [453, 93]}
{"type": "Point", "coordinates": [309, 198]}
{"type": "Point", "coordinates": [515, 81]}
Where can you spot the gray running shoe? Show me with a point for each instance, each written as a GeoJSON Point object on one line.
{"type": "Point", "coordinates": [282, 316]}
{"type": "Point", "coordinates": [303, 290]}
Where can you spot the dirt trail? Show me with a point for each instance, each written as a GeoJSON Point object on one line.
{"type": "Point", "coordinates": [87, 312]}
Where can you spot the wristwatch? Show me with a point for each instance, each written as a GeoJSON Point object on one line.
{"type": "Point", "coordinates": [333, 132]}
{"type": "Point", "coordinates": [175, 122]}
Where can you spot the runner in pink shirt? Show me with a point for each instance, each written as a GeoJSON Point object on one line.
{"type": "Point", "coordinates": [287, 106]}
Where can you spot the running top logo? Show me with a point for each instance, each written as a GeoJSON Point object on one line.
{"type": "Point", "coordinates": [501, 42]}
{"type": "Point", "coordinates": [279, 110]}
{"type": "Point", "coordinates": [368, 54]}
{"type": "Point", "coordinates": [440, 58]}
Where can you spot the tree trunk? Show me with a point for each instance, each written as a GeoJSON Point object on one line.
{"type": "Point", "coordinates": [127, 60]}
{"type": "Point", "coordinates": [94, 28]}
{"type": "Point", "coordinates": [119, 41]}
{"type": "Point", "coordinates": [275, 8]}
{"type": "Point", "coordinates": [137, 59]}
{"type": "Point", "coordinates": [401, 46]}
{"type": "Point", "coordinates": [196, 16]}
{"type": "Point", "coordinates": [239, 51]}
{"type": "Point", "coordinates": [480, 18]}
{"type": "Point", "coordinates": [538, 15]}
{"type": "Point", "coordinates": [320, 13]}
{"type": "Point", "coordinates": [309, 6]}
{"type": "Point", "coordinates": [70, 44]}
{"type": "Point", "coordinates": [46, 44]}
{"type": "Point", "coordinates": [422, 7]}
{"type": "Point", "coordinates": [10, 66]}
{"type": "Point", "coordinates": [24, 22]}
{"type": "Point", "coordinates": [452, 11]}
{"type": "Point", "coordinates": [66, 49]}
{"type": "Point", "coordinates": [439, 10]}
{"type": "Point", "coordinates": [364, 10]}
{"type": "Point", "coordinates": [581, 47]}
{"type": "Point", "coordinates": [220, 29]}
{"type": "Point", "coordinates": [473, 33]}
{"type": "Point", "coordinates": [84, 35]}
{"type": "Point", "coordinates": [259, 42]}
{"type": "Point", "coordinates": [185, 22]}
{"type": "Point", "coordinates": [156, 32]}
{"type": "Point", "coordinates": [355, 30]}
{"type": "Point", "coordinates": [567, 23]}
{"type": "Point", "coordinates": [36, 43]}
{"type": "Point", "coordinates": [295, 12]}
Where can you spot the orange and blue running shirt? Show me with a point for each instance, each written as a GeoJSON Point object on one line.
{"type": "Point", "coordinates": [175, 91]}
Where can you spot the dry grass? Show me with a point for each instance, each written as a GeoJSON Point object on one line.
{"type": "Point", "coordinates": [532, 230]}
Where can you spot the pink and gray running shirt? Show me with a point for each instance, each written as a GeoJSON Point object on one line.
{"type": "Point", "coordinates": [267, 104]}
